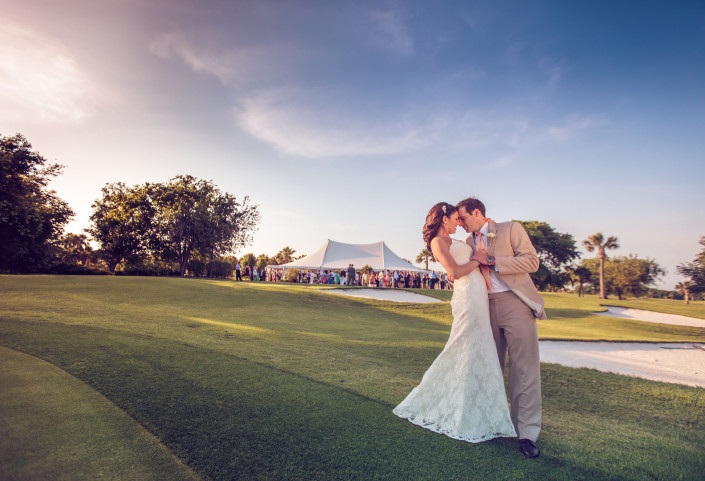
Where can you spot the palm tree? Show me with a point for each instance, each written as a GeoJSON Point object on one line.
{"type": "Point", "coordinates": [285, 255]}
{"type": "Point", "coordinates": [581, 275]}
{"type": "Point", "coordinates": [424, 256]}
{"type": "Point", "coordinates": [598, 242]}
{"type": "Point", "coordinates": [684, 289]}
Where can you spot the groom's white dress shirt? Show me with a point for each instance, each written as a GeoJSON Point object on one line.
{"type": "Point", "coordinates": [495, 282]}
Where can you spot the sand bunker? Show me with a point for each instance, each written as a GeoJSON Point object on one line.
{"type": "Point", "coordinates": [682, 363]}
{"type": "Point", "coordinates": [383, 295]}
{"type": "Point", "coordinates": [649, 316]}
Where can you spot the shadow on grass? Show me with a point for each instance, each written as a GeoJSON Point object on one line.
{"type": "Point", "coordinates": [562, 313]}
{"type": "Point", "coordinates": [229, 418]}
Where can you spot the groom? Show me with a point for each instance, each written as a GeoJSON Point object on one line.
{"type": "Point", "coordinates": [506, 250]}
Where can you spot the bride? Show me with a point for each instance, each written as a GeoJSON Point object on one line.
{"type": "Point", "coordinates": [462, 394]}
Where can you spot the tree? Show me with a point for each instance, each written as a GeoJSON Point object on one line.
{"type": "Point", "coordinates": [248, 260]}
{"type": "Point", "coordinates": [192, 214]}
{"type": "Point", "coordinates": [366, 269]}
{"type": "Point", "coordinates": [121, 222]}
{"type": "Point", "coordinates": [684, 289]}
{"type": "Point", "coordinates": [263, 261]}
{"type": "Point", "coordinates": [227, 225]}
{"type": "Point", "coordinates": [599, 243]}
{"type": "Point", "coordinates": [32, 218]}
{"type": "Point", "coordinates": [625, 274]}
{"type": "Point", "coordinates": [632, 275]}
{"type": "Point", "coordinates": [285, 255]}
{"type": "Point", "coordinates": [555, 250]}
{"type": "Point", "coordinates": [424, 256]}
{"type": "Point", "coordinates": [171, 222]}
{"type": "Point", "coordinates": [581, 275]}
{"type": "Point", "coordinates": [75, 249]}
{"type": "Point", "coordinates": [695, 270]}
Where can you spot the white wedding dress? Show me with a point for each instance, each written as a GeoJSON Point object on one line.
{"type": "Point", "coordinates": [462, 394]}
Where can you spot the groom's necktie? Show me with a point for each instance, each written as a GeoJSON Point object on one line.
{"type": "Point", "coordinates": [484, 269]}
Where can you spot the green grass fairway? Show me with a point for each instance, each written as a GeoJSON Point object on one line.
{"type": "Point", "coordinates": [263, 381]}
{"type": "Point", "coordinates": [56, 427]}
{"type": "Point", "coordinates": [570, 318]}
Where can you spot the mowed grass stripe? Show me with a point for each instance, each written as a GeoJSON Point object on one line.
{"type": "Point", "coordinates": [229, 418]}
{"type": "Point", "coordinates": [55, 427]}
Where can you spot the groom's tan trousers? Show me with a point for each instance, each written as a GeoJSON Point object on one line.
{"type": "Point", "coordinates": [514, 330]}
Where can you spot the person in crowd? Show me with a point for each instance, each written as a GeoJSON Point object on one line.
{"type": "Point", "coordinates": [351, 275]}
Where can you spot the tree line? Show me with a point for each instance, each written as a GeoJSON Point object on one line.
{"type": "Point", "coordinates": [178, 221]}
{"type": "Point", "coordinates": [157, 228]}
{"type": "Point", "coordinates": [190, 225]}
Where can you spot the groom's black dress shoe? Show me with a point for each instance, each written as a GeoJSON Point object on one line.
{"type": "Point", "coordinates": [528, 448]}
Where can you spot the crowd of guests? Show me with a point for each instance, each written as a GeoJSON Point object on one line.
{"type": "Point", "coordinates": [252, 274]}
{"type": "Point", "coordinates": [352, 277]}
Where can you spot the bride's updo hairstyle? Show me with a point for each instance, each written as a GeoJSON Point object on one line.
{"type": "Point", "coordinates": [434, 220]}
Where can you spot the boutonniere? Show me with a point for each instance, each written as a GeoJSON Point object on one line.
{"type": "Point", "coordinates": [490, 238]}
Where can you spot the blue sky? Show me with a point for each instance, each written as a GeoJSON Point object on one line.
{"type": "Point", "coordinates": [349, 120]}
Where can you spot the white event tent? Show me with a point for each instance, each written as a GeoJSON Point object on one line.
{"type": "Point", "coordinates": [338, 255]}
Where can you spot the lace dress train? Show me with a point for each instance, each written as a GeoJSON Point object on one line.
{"type": "Point", "coordinates": [462, 394]}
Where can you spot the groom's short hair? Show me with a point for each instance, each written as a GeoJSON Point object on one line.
{"type": "Point", "coordinates": [470, 204]}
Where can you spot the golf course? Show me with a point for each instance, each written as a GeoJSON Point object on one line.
{"type": "Point", "coordinates": [148, 378]}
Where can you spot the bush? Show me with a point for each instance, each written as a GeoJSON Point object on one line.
{"type": "Point", "coordinates": [221, 269]}
{"type": "Point", "coordinates": [70, 269]}
{"type": "Point", "coordinates": [196, 267]}
{"type": "Point", "coordinates": [292, 275]}
{"type": "Point", "coordinates": [147, 268]}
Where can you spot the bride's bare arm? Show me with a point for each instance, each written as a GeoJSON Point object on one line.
{"type": "Point", "coordinates": [441, 251]}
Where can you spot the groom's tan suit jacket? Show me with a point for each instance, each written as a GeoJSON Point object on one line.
{"type": "Point", "coordinates": [515, 258]}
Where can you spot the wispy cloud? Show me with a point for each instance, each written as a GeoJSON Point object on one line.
{"type": "Point", "coordinates": [278, 118]}
{"type": "Point", "coordinates": [40, 79]}
{"type": "Point", "coordinates": [271, 103]}
{"type": "Point", "coordinates": [554, 71]}
{"type": "Point", "coordinates": [391, 32]}
{"type": "Point", "coordinates": [234, 67]}
{"type": "Point", "coordinates": [571, 128]}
